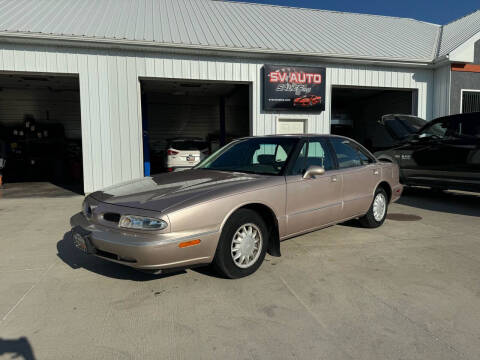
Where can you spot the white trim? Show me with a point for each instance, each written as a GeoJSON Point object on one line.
{"type": "Point", "coordinates": [465, 52]}
{"type": "Point", "coordinates": [281, 118]}
{"type": "Point", "coordinates": [461, 97]}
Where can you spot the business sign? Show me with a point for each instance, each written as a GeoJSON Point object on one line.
{"type": "Point", "coordinates": [293, 88]}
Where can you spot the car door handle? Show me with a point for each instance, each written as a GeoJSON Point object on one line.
{"type": "Point", "coordinates": [334, 178]}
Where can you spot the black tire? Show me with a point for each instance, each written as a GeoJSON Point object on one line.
{"type": "Point", "coordinates": [369, 220]}
{"type": "Point", "coordinates": [223, 260]}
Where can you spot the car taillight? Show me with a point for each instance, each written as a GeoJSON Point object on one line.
{"type": "Point", "coordinates": [172, 152]}
{"type": "Point", "coordinates": [170, 169]}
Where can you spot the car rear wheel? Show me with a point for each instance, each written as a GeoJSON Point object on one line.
{"type": "Point", "coordinates": [377, 213]}
{"type": "Point", "coordinates": [242, 245]}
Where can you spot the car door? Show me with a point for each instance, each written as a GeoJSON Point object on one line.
{"type": "Point", "coordinates": [461, 152]}
{"type": "Point", "coordinates": [445, 153]}
{"type": "Point", "coordinates": [427, 158]}
{"type": "Point", "coordinates": [312, 203]}
{"type": "Point", "coordinates": [360, 173]}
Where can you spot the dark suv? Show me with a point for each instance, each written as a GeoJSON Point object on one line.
{"type": "Point", "coordinates": [444, 153]}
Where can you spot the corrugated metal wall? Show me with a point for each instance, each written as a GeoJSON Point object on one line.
{"type": "Point", "coordinates": [441, 91]}
{"type": "Point", "coordinates": [111, 106]}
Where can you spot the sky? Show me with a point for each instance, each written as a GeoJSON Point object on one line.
{"type": "Point", "coordinates": [434, 11]}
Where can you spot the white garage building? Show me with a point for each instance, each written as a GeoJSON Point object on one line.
{"type": "Point", "coordinates": [111, 71]}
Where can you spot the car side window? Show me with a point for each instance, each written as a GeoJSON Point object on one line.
{"type": "Point", "coordinates": [315, 153]}
{"type": "Point", "coordinates": [299, 166]}
{"type": "Point", "coordinates": [465, 128]}
{"type": "Point", "coordinates": [319, 155]}
{"type": "Point", "coordinates": [347, 155]}
{"type": "Point", "coordinates": [280, 154]}
{"type": "Point", "coordinates": [364, 156]}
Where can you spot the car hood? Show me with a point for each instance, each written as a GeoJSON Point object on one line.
{"type": "Point", "coordinates": [161, 192]}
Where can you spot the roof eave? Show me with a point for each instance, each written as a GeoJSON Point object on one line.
{"type": "Point", "coordinates": [124, 44]}
{"type": "Point", "coordinates": [440, 61]}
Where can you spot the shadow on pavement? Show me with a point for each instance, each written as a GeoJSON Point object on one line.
{"type": "Point", "coordinates": [208, 270]}
{"type": "Point", "coordinates": [17, 349]}
{"type": "Point", "coordinates": [461, 203]}
{"type": "Point", "coordinates": [74, 258]}
{"type": "Point", "coordinates": [351, 223]}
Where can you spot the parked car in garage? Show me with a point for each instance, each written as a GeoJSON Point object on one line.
{"type": "Point", "coordinates": [237, 204]}
{"type": "Point", "coordinates": [443, 154]}
{"type": "Point", "coordinates": [184, 153]}
{"type": "Point", "coordinates": [307, 101]}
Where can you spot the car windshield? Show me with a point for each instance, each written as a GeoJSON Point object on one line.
{"type": "Point", "coordinates": [188, 145]}
{"type": "Point", "coordinates": [403, 126]}
{"type": "Point", "coordinates": [435, 130]}
{"type": "Point", "coordinates": [266, 156]}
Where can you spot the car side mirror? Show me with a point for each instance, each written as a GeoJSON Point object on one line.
{"type": "Point", "coordinates": [313, 171]}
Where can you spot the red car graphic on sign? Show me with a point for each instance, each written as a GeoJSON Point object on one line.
{"type": "Point", "coordinates": [307, 101]}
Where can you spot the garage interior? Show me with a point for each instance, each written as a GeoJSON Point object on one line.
{"type": "Point", "coordinates": [40, 131]}
{"type": "Point", "coordinates": [356, 112]}
{"type": "Point", "coordinates": [216, 112]}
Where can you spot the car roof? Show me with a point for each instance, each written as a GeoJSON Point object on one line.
{"type": "Point", "coordinates": [297, 136]}
{"type": "Point", "coordinates": [186, 139]}
{"type": "Point", "coordinates": [463, 116]}
{"type": "Point", "coordinates": [474, 116]}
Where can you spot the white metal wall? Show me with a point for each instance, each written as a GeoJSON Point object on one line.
{"type": "Point", "coordinates": [441, 91]}
{"type": "Point", "coordinates": [110, 95]}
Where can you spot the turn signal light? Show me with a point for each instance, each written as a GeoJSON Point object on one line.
{"type": "Point", "coordinates": [189, 243]}
{"type": "Point", "coordinates": [172, 152]}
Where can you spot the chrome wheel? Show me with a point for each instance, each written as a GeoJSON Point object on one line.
{"type": "Point", "coordinates": [246, 245]}
{"type": "Point", "coordinates": [379, 207]}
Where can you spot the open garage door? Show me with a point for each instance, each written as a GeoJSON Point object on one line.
{"type": "Point", "coordinates": [184, 121]}
{"type": "Point", "coordinates": [356, 113]}
{"type": "Point", "coordinates": [40, 133]}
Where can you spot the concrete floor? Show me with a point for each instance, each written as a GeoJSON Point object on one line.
{"type": "Point", "coordinates": [409, 290]}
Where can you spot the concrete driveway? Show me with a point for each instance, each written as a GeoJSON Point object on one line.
{"type": "Point", "coordinates": [409, 290]}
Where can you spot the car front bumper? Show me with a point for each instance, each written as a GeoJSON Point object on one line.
{"type": "Point", "coordinates": [140, 251]}
{"type": "Point", "coordinates": [397, 192]}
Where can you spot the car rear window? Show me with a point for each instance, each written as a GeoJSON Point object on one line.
{"type": "Point", "coordinates": [188, 145]}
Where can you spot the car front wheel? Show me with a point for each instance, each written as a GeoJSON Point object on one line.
{"type": "Point", "coordinates": [377, 213]}
{"type": "Point", "coordinates": [242, 245]}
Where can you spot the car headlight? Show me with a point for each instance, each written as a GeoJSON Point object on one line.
{"type": "Point", "coordinates": [141, 223]}
{"type": "Point", "coordinates": [86, 209]}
